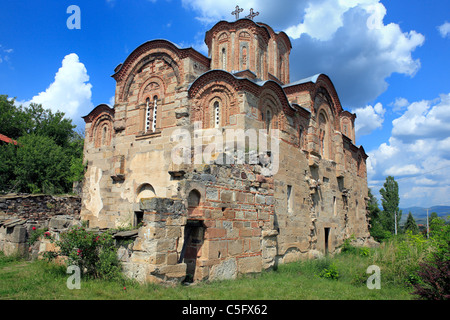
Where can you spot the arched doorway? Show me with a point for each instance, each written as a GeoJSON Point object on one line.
{"type": "Point", "coordinates": [146, 190]}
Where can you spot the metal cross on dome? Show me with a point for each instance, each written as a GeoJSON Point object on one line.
{"type": "Point", "coordinates": [252, 14]}
{"type": "Point", "coordinates": [236, 12]}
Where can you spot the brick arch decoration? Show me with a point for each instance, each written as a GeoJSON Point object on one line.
{"type": "Point", "coordinates": [99, 116]}
{"type": "Point", "coordinates": [169, 60]}
{"type": "Point", "coordinates": [325, 87]}
{"type": "Point", "coordinates": [151, 87]}
{"type": "Point", "coordinates": [203, 106]}
{"type": "Point", "coordinates": [268, 100]}
{"type": "Point", "coordinates": [348, 119]}
{"type": "Point", "coordinates": [325, 128]}
{"type": "Point", "coordinates": [103, 124]}
{"type": "Point", "coordinates": [213, 86]}
{"type": "Point", "coordinates": [233, 85]}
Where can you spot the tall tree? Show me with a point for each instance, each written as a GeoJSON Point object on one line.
{"type": "Point", "coordinates": [390, 201]}
{"type": "Point", "coordinates": [376, 227]}
{"type": "Point", "coordinates": [411, 224]}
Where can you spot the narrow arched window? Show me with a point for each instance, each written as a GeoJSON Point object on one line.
{"type": "Point", "coordinates": [147, 115]}
{"type": "Point", "coordinates": [104, 132]}
{"type": "Point", "coordinates": [224, 59]}
{"type": "Point", "coordinates": [216, 114]}
{"type": "Point", "coordinates": [244, 57]}
{"type": "Point", "coordinates": [155, 112]}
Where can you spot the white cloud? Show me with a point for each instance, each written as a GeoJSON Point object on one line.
{"type": "Point", "coordinates": [70, 91]}
{"type": "Point", "coordinates": [399, 104]}
{"type": "Point", "coordinates": [368, 119]}
{"type": "Point", "coordinates": [358, 54]}
{"type": "Point", "coordinates": [347, 40]}
{"type": "Point", "coordinates": [424, 120]}
{"type": "Point", "coordinates": [444, 29]}
{"type": "Point", "coordinates": [417, 153]}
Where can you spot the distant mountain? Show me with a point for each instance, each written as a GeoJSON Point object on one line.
{"type": "Point", "coordinates": [420, 214]}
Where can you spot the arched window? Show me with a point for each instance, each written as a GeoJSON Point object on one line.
{"type": "Point", "coordinates": [194, 198]}
{"type": "Point", "coordinates": [244, 57]}
{"type": "Point", "coordinates": [104, 132]}
{"type": "Point", "coordinates": [216, 114]}
{"type": "Point", "coordinates": [147, 115]}
{"type": "Point", "coordinates": [155, 111]}
{"type": "Point", "coordinates": [224, 59]}
{"type": "Point", "coordinates": [151, 112]}
{"type": "Point", "coordinates": [146, 190]}
{"type": "Point", "coordinates": [323, 136]}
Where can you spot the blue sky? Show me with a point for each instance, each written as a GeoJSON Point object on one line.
{"type": "Point", "coordinates": [389, 61]}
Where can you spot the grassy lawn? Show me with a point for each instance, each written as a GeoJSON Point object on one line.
{"type": "Point", "coordinates": [20, 279]}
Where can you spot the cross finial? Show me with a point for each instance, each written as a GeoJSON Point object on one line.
{"type": "Point", "coordinates": [252, 14]}
{"type": "Point", "coordinates": [236, 12]}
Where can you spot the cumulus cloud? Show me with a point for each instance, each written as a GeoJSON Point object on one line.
{"type": "Point", "coordinates": [70, 90]}
{"type": "Point", "coordinates": [347, 40]}
{"type": "Point", "coordinates": [368, 119]}
{"type": "Point", "coordinates": [417, 153]}
{"type": "Point", "coordinates": [444, 29]}
{"type": "Point", "coordinates": [361, 53]}
{"type": "Point", "coordinates": [424, 120]}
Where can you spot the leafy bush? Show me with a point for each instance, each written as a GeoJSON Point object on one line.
{"type": "Point", "coordinates": [434, 274]}
{"type": "Point", "coordinates": [347, 247]}
{"type": "Point", "coordinates": [434, 281]}
{"type": "Point", "coordinates": [35, 234]}
{"type": "Point", "coordinates": [400, 258]}
{"type": "Point", "coordinates": [95, 254]}
{"type": "Point", "coordinates": [331, 272]}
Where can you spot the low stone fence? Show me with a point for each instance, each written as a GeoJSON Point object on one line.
{"type": "Point", "coordinates": [20, 215]}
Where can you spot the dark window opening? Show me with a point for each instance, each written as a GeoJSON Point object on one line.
{"type": "Point", "coordinates": [327, 234]}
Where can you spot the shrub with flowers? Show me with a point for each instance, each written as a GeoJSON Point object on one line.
{"type": "Point", "coordinates": [95, 254]}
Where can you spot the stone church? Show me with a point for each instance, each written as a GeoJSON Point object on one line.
{"type": "Point", "coordinates": [215, 219]}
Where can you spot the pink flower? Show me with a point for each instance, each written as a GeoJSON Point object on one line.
{"type": "Point", "coordinates": [34, 228]}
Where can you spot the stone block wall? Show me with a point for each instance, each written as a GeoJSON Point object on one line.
{"type": "Point", "coordinates": [19, 214]}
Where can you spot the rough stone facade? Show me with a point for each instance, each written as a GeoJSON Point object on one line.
{"type": "Point", "coordinates": [216, 219]}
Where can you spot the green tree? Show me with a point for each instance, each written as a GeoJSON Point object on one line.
{"type": "Point", "coordinates": [49, 154]}
{"type": "Point", "coordinates": [41, 165]}
{"type": "Point", "coordinates": [411, 225]}
{"type": "Point", "coordinates": [390, 201]}
{"type": "Point", "coordinates": [433, 216]}
{"type": "Point", "coordinates": [44, 122]}
{"type": "Point", "coordinates": [376, 227]}
{"type": "Point", "coordinates": [13, 119]}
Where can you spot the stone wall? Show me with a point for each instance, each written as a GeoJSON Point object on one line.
{"type": "Point", "coordinates": [19, 214]}
{"type": "Point", "coordinates": [38, 208]}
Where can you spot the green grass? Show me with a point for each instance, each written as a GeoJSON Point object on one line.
{"type": "Point", "coordinates": [20, 279]}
